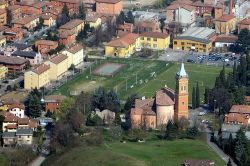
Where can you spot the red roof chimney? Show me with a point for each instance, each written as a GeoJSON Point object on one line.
{"type": "Point", "coordinates": [231, 7]}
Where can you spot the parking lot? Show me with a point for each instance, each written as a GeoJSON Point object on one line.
{"type": "Point", "coordinates": [217, 59]}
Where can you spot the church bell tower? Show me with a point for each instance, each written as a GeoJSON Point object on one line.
{"type": "Point", "coordinates": [181, 94]}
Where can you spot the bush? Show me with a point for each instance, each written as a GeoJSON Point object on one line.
{"type": "Point", "coordinates": [95, 139]}
{"type": "Point", "coordinates": [192, 132]}
{"type": "Point", "coordinates": [94, 121]}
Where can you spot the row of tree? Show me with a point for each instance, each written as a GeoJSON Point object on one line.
{"type": "Point", "coordinates": [128, 18]}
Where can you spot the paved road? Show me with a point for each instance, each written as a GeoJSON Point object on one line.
{"type": "Point", "coordinates": [38, 161]}
{"type": "Point", "coordinates": [11, 83]}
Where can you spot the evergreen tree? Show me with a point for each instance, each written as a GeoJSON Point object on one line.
{"type": "Point", "coordinates": [235, 74]}
{"type": "Point", "coordinates": [9, 17]}
{"type": "Point", "coordinates": [64, 17]}
{"type": "Point", "coordinates": [117, 119]}
{"type": "Point", "coordinates": [81, 13]}
{"type": "Point", "coordinates": [130, 17]}
{"type": "Point", "coordinates": [171, 131]}
{"type": "Point", "coordinates": [197, 95]}
{"type": "Point", "coordinates": [248, 62]}
{"type": "Point", "coordinates": [34, 106]}
{"type": "Point", "coordinates": [240, 145]}
{"type": "Point", "coordinates": [113, 102]}
{"type": "Point", "coordinates": [121, 18]}
{"type": "Point", "coordinates": [206, 95]}
{"type": "Point", "coordinates": [65, 11]}
{"type": "Point", "coordinates": [193, 98]}
{"type": "Point", "coordinates": [130, 102]}
{"type": "Point", "coordinates": [229, 163]}
{"type": "Point", "coordinates": [243, 70]}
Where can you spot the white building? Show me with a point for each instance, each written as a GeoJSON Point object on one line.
{"type": "Point", "coordinates": [17, 110]}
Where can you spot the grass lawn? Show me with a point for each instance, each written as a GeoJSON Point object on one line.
{"type": "Point", "coordinates": [151, 153]}
{"type": "Point", "coordinates": [146, 84]}
{"type": "Point", "coordinates": [3, 160]}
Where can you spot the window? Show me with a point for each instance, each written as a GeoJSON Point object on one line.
{"type": "Point", "coordinates": [183, 103]}
{"type": "Point", "coordinates": [19, 136]}
{"type": "Point", "coordinates": [28, 136]}
{"type": "Point", "coordinates": [175, 42]}
{"type": "Point", "coordinates": [155, 39]}
{"type": "Point", "coordinates": [182, 43]}
{"type": "Point", "coordinates": [148, 39]}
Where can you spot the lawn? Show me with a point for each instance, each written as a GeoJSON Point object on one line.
{"type": "Point", "coordinates": [3, 160]}
{"type": "Point", "coordinates": [151, 153]}
{"type": "Point", "coordinates": [142, 71]}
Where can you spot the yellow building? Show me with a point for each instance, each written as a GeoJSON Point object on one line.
{"type": "Point", "coordinates": [37, 77]}
{"type": "Point", "coordinates": [28, 22]}
{"type": "Point", "coordinates": [124, 46]}
{"type": "Point", "coordinates": [58, 66]}
{"type": "Point", "coordinates": [3, 5]}
{"type": "Point", "coordinates": [127, 44]}
{"type": "Point", "coordinates": [225, 24]}
{"type": "Point", "coordinates": [2, 41]}
{"type": "Point", "coordinates": [49, 19]}
{"type": "Point", "coordinates": [155, 40]}
{"type": "Point", "coordinates": [3, 16]}
{"type": "Point", "coordinates": [196, 39]}
{"type": "Point", "coordinates": [3, 72]}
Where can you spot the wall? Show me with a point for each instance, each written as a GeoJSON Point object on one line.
{"type": "Point", "coordinates": [24, 139]}
{"type": "Point", "coordinates": [164, 114]}
{"type": "Point", "coordinates": [187, 44]}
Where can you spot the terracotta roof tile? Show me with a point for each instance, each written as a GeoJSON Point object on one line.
{"type": "Point", "coordinates": [41, 69]}
{"type": "Point", "coordinates": [155, 35]}
{"type": "Point", "coordinates": [236, 117]}
{"type": "Point", "coordinates": [225, 18]}
{"type": "Point", "coordinates": [165, 96]}
{"type": "Point", "coordinates": [46, 42]}
{"type": "Point", "coordinates": [2, 11]}
{"type": "Point", "coordinates": [16, 105]}
{"type": "Point", "coordinates": [23, 121]}
{"type": "Point", "coordinates": [225, 38]}
{"type": "Point", "coordinates": [11, 126]}
{"type": "Point", "coordinates": [123, 41]}
{"type": "Point", "coordinates": [244, 109]}
{"type": "Point", "coordinates": [56, 59]}
{"type": "Point", "coordinates": [245, 21]}
{"type": "Point", "coordinates": [71, 24]}
{"type": "Point", "coordinates": [74, 49]}
{"type": "Point", "coordinates": [25, 20]}
{"type": "Point", "coordinates": [12, 60]}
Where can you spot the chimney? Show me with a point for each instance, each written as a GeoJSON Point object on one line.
{"type": "Point", "coordinates": [231, 7]}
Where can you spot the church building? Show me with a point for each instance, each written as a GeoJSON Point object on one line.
{"type": "Point", "coordinates": [166, 105]}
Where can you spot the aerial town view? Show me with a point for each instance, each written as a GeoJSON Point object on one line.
{"type": "Point", "coordinates": [125, 82]}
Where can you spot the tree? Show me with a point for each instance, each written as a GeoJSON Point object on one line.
{"type": "Point", "coordinates": [83, 102]}
{"type": "Point", "coordinates": [121, 18]}
{"type": "Point", "coordinates": [240, 145]}
{"type": "Point", "coordinates": [34, 106]}
{"type": "Point", "coordinates": [197, 95]}
{"type": "Point", "coordinates": [65, 135]}
{"type": "Point", "coordinates": [8, 88]}
{"type": "Point", "coordinates": [9, 17]}
{"type": "Point", "coordinates": [130, 102]}
{"type": "Point", "coordinates": [99, 99]}
{"type": "Point", "coordinates": [113, 103]}
{"type": "Point", "coordinates": [130, 17]}
{"type": "Point", "coordinates": [171, 130]}
{"type": "Point", "coordinates": [183, 123]}
{"type": "Point", "coordinates": [66, 106]}
{"type": "Point", "coordinates": [193, 98]}
{"type": "Point", "coordinates": [243, 41]}
{"type": "Point", "coordinates": [64, 17]}
{"type": "Point", "coordinates": [81, 12]}
{"type": "Point", "coordinates": [117, 119]}
{"type": "Point", "coordinates": [192, 132]}
{"type": "Point", "coordinates": [94, 120]}
{"type": "Point", "coordinates": [243, 70]}
{"type": "Point", "coordinates": [206, 95]}
{"type": "Point", "coordinates": [76, 119]}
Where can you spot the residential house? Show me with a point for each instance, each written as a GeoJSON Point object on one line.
{"type": "Point", "coordinates": [52, 102]}
{"type": "Point", "coordinates": [106, 115]}
{"type": "Point", "coordinates": [14, 64]}
{"type": "Point", "coordinates": [28, 22]}
{"type": "Point", "coordinates": [26, 123]}
{"type": "Point", "coordinates": [15, 11]}
{"type": "Point", "coordinates": [73, 5]}
{"type": "Point", "coordinates": [111, 7]}
{"type": "Point", "coordinates": [3, 17]}
{"type": "Point", "coordinates": [32, 7]}
{"type": "Point", "coordinates": [195, 38]}
{"type": "Point", "coordinates": [9, 139]}
{"type": "Point", "coordinates": [33, 57]}
{"type": "Point", "coordinates": [93, 20]}
{"type": "Point", "coordinates": [2, 29]}
{"type": "Point", "coordinates": [155, 40]}
{"type": "Point", "coordinates": [123, 46]}
{"type": "Point", "coordinates": [224, 41]}
{"type": "Point", "coordinates": [244, 24]}
{"type": "Point", "coordinates": [238, 114]}
{"type": "Point", "coordinates": [126, 27]}
{"type": "Point", "coordinates": [181, 13]}
{"type": "Point", "coordinates": [2, 40]}
{"type": "Point", "coordinates": [44, 46]}
{"type": "Point", "coordinates": [49, 19]}
{"type": "Point", "coordinates": [226, 24]}
{"type": "Point", "coordinates": [24, 136]}
{"type": "Point", "coordinates": [75, 55]}
{"type": "Point", "coordinates": [58, 64]}
{"type": "Point", "coordinates": [13, 34]}
{"type": "Point", "coordinates": [202, 8]}
{"type": "Point", "coordinates": [89, 5]}
{"type": "Point", "coordinates": [147, 26]}
{"type": "Point", "coordinates": [67, 37]}
{"type": "Point", "coordinates": [37, 77]}
{"type": "Point", "coordinates": [10, 122]}
{"type": "Point", "coordinates": [75, 25]}
{"type": "Point", "coordinates": [227, 129]}
{"type": "Point", "coordinates": [3, 72]}
{"type": "Point", "coordinates": [17, 109]}
{"type": "Point", "coordinates": [3, 4]}
{"type": "Point", "coordinates": [4, 104]}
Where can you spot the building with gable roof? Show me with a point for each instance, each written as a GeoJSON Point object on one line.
{"type": "Point", "coordinates": [244, 24]}
{"type": "Point", "coordinates": [225, 24]}
{"type": "Point", "coordinates": [165, 106]}
{"type": "Point", "coordinates": [37, 77]}
{"type": "Point", "coordinates": [112, 7]}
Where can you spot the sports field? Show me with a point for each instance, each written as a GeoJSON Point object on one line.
{"type": "Point", "coordinates": [151, 153]}
{"type": "Point", "coordinates": [141, 76]}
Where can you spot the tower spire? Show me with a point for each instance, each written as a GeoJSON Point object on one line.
{"type": "Point", "coordinates": [182, 72]}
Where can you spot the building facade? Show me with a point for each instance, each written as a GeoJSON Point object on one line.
{"type": "Point", "coordinates": [225, 24]}
{"type": "Point", "coordinates": [112, 7]}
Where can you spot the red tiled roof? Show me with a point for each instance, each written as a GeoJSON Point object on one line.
{"type": "Point", "coordinates": [11, 126]}
{"type": "Point", "coordinates": [2, 11]}
{"type": "Point", "coordinates": [180, 5]}
{"type": "Point", "coordinates": [144, 103]}
{"type": "Point", "coordinates": [155, 35]}
{"type": "Point", "coordinates": [46, 42]}
{"type": "Point", "coordinates": [12, 60]}
{"type": "Point", "coordinates": [244, 109]}
{"type": "Point", "coordinates": [165, 96]}
{"type": "Point", "coordinates": [56, 59]}
{"type": "Point", "coordinates": [41, 69]}
{"type": "Point", "coordinates": [225, 18]}
{"type": "Point", "coordinates": [74, 49]}
{"type": "Point", "coordinates": [226, 38]}
{"type": "Point", "coordinates": [245, 21]}
{"type": "Point", "coordinates": [23, 121]}
{"type": "Point", "coordinates": [17, 105]}
{"type": "Point", "coordinates": [25, 20]}
{"type": "Point", "coordinates": [71, 24]}
{"type": "Point", "coordinates": [123, 41]}
{"type": "Point", "coordinates": [247, 99]}
{"type": "Point", "coordinates": [236, 117]}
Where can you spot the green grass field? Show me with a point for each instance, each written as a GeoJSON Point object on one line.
{"type": "Point", "coordinates": [3, 160]}
{"type": "Point", "coordinates": [151, 153]}
{"type": "Point", "coordinates": [146, 84]}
